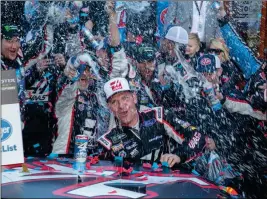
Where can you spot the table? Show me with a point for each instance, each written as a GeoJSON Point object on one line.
{"type": "Point", "coordinates": [56, 179]}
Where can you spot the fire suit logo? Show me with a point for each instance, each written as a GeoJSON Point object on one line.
{"type": "Point", "coordinates": [194, 141]}
{"type": "Point", "coordinates": [116, 85]}
{"type": "Point", "coordinates": [205, 62]}
{"type": "Point", "coordinates": [6, 130]}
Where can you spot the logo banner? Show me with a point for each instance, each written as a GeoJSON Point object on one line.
{"type": "Point", "coordinates": [11, 135]}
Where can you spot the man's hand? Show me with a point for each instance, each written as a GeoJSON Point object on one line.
{"type": "Point", "coordinates": [60, 60]}
{"type": "Point", "coordinates": [43, 64]}
{"type": "Point", "coordinates": [70, 73]}
{"type": "Point", "coordinates": [171, 159]}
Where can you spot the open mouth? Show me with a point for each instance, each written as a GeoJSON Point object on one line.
{"type": "Point", "coordinates": [123, 114]}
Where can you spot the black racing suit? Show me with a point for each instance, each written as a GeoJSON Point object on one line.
{"type": "Point", "coordinates": [151, 140]}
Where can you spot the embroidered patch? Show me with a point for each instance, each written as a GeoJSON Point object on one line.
{"type": "Point", "coordinates": [149, 122]}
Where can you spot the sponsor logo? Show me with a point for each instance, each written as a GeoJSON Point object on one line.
{"type": "Point", "coordinates": [116, 85]}
{"type": "Point", "coordinates": [134, 153]}
{"type": "Point", "coordinates": [6, 81]}
{"type": "Point", "coordinates": [205, 61]}
{"type": "Point", "coordinates": [104, 141]}
{"type": "Point", "coordinates": [122, 154]}
{"type": "Point", "coordinates": [194, 141]}
{"type": "Point", "coordinates": [117, 147]}
{"type": "Point", "coordinates": [6, 130]}
{"type": "Point", "coordinates": [118, 137]}
{"type": "Point", "coordinates": [149, 122]}
{"type": "Point", "coordinates": [134, 144]}
{"type": "Point", "coordinates": [37, 97]}
{"type": "Point", "coordinates": [155, 138]}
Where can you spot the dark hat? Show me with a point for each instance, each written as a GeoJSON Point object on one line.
{"type": "Point", "coordinates": [9, 31]}
{"type": "Point", "coordinates": [144, 52]}
{"type": "Point", "coordinates": [206, 64]}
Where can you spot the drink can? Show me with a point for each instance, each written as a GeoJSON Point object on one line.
{"type": "Point", "coordinates": [90, 36]}
{"type": "Point", "coordinates": [80, 152]}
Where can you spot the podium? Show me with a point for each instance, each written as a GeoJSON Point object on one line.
{"type": "Point", "coordinates": [11, 133]}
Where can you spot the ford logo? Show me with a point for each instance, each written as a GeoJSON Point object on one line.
{"type": "Point", "coordinates": [6, 130]}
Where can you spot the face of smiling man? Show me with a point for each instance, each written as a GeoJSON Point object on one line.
{"type": "Point", "coordinates": [123, 106]}
{"type": "Point", "coordinates": [10, 48]}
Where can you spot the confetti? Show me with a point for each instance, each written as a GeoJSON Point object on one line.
{"type": "Point", "coordinates": [52, 156]}
{"type": "Point", "coordinates": [112, 192]}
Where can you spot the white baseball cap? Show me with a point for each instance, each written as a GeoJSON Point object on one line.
{"type": "Point", "coordinates": [177, 34]}
{"type": "Point", "coordinates": [116, 85]}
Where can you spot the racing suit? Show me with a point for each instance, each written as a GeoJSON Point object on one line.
{"type": "Point", "coordinates": [40, 121]}
{"type": "Point", "coordinates": [150, 140]}
{"type": "Point", "coordinates": [76, 111]}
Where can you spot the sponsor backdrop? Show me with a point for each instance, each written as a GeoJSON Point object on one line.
{"type": "Point", "coordinates": [11, 136]}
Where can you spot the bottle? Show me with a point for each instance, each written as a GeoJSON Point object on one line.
{"type": "Point", "coordinates": [80, 153]}
{"type": "Point", "coordinates": [90, 36]}
{"type": "Point", "coordinates": [119, 6]}
{"type": "Point", "coordinates": [211, 97]}
{"type": "Point", "coordinates": [78, 66]}
{"type": "Point", "coordinates": [216, 5]}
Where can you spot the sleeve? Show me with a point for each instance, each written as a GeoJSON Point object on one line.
{"type": "Point", "coordinates": [66, 99]}
{"type": "Point", "coordinates": [193, 140]}
{"type": "Point", "coordinates": [119, 62]}
{"type": "Point", "coordinates": [31, 75]}
{"type": "Point", "coordinates": [241, 53]}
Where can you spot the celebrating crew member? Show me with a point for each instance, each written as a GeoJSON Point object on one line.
{"type": "Point", "coordinates": [144, 135]}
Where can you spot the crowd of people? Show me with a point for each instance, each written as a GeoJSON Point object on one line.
{"type": "Point", "coordinates": [188, 97]}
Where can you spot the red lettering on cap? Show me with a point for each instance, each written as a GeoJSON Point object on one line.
{"type": "Point", "coordinates": [205, 61]}
{"type": "Point", "coordinates": [115, 85]}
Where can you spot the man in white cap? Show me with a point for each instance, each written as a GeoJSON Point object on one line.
{"type": "Point", "coordinates": [136, 135]}
{"type": "Point", "coordinates": [145, 135]}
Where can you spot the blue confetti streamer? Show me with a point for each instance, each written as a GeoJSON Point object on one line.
{"type": "Point", "coordinates": [36, 145]}
{"type": "Point", "coordinates": [155, 166]}
{"type": "Point", "coordinates": [52, 156]}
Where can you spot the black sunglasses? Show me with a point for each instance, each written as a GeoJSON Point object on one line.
{"type": "Point", "coordinates": [216, 51]}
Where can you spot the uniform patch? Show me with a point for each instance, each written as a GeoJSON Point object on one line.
{"type": "Point", "coordinates": [149, 122]}
{"type": "Point", "coordinates": [194, 141]}
{"type": "Point", "coordinates": [122, 154]}
{"type": "Point", "coordinates": [118, 137]}
{"type": "Point", "coordinates": [155, 138]}
{"type": "Point", "coordinates": [134, 153]}
{"type": "Point", "coordinates": [104, 142]}
{"type": "Point", "coordinates": [131, 146]}
{"type": "Point", "coordinates": [117, 147]}
{"type": "Point", "coordinates": [159, 113]}
{"type": "Point", "coordinates": [144, 100]}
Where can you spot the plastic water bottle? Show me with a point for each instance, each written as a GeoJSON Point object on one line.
{"type": "Point", "coordinates": [211, 97]}
{"type": "Point", "coordinates": [90, 36]}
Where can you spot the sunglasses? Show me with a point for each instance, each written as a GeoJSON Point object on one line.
{"type": "Point", "coordinates": [215, 51]}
